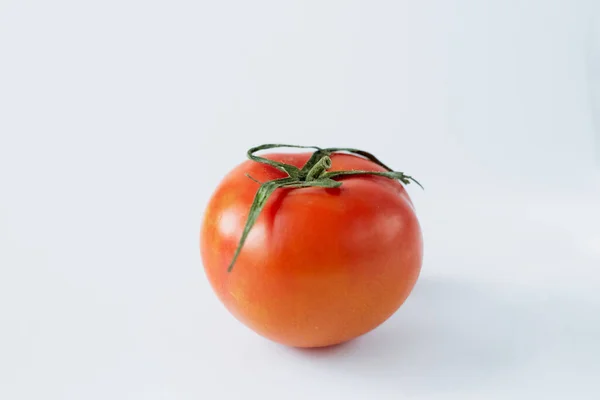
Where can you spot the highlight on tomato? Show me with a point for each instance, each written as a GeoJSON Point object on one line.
{"type": "Point", "coordinates": [312, 249]}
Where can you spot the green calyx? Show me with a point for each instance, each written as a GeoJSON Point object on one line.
{"type": "Point", "coordinates": [313, 174]}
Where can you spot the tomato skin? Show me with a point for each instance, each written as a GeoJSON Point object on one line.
{"type": "Point", "coordinates": [320, 266]}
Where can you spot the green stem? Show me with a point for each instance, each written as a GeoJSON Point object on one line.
{"type": "Point", "coordinates": [319, 169]}
{"type": "Point", "coordinates": [260, 199]}
{"type": "Point", "coordinates": [312, 174]}
{"type": "Point", "coordinates": [291, 170]}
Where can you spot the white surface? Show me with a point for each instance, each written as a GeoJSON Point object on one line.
{"type": "Point", "coordinates": [118, 118]}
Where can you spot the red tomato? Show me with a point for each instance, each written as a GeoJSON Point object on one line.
{"type": "Point", "coordinates": [320, 266]}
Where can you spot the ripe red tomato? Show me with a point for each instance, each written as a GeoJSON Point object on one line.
{"type": "Point", "coordinates": [321, 265]}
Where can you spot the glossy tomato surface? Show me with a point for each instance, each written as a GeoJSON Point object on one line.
{"type": "Point", "coordinates": [320, 266]}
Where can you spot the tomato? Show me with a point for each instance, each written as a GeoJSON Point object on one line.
{"type": "Point", "coordinates": [320, 265]}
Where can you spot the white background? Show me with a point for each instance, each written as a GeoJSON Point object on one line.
{"type": "Point", "coordinates": [118, 118]}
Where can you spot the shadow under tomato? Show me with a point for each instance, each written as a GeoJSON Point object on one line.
{"type": "Point", "coordinates": [451, 334]}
